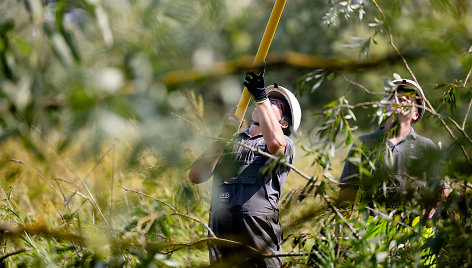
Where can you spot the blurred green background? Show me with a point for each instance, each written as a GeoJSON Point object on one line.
{"type": "Point", "coordinates": [97, 95]}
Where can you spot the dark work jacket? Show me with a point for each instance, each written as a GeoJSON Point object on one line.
{"type": "Point", "coordinates": [246, 190]}
{"type": "Point", "coordinates": [242, 183]}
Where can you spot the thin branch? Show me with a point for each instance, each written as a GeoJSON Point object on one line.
{"type": "Point", "coordinates": [172, 208]}
{"type": "Point", "coordinates": [397, 51]}
{"type": "Point", "coordinates": [378, 8]}
{"type": "Point", "coordinates": [82, 180]}
{"type": "Point", "coordinates": [234, 243]}
{"type": "Point", "coordinates": [295, 59]}
{"type": "Point", "coordinates": [326, 198]}
{"type": "Point", "coordinates": [359, 85]}
{"type": "Point", "coordinates": [467, 77]}
{"type": "Point", "coordinates": [14, 253]}
{"type": "Point", "coordinates": [39, 174]}
{"type": "Point", "coordinates": [112, 186]}
{"type": "Point", "coordinates": [212, 234]}
{"type": "Point", "coordinates": [461, 129]}
{"type": "Point", "coordinates": [288, 254]}
{"type": "Point", "coordinates": [148, 196]}
{"type": "Point", "coordinates": [215, 240]}
{"type": "Point", "coordinates": [189, 122]}
{"type": "Point", "coordinates": [467, 114]}
{"type": "Point", "coordinates": [380, 213]}
{"type": "Point", "coordinates": [470, 103]}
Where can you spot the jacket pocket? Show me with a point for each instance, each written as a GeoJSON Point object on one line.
{"type": "Point", "coordinates": [247, 174]}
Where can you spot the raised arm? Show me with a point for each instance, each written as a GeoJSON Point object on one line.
{"type": "Point", "coordinates": [203, 167]}
{"type": "Point", "coordinates": [267, 114]}
{"type": "Point", "coordinates": [271, 127]}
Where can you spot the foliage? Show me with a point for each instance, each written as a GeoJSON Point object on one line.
{"type": "Point", "coordinates": [105, 104]}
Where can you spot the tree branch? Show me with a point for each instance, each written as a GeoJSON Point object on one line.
{"type": "Point", "coordinates": [175, 212]}
{"type": "Point", "coordinates": [153, 198]}
{"type": "Point", "coordinates": [359, 85]}
{"type": "Point", "coordinates": [295, 59]}
{"type": "Point", "coordinates": [3, 258]}
{"type": "Point", "coordinates": [470, 103]}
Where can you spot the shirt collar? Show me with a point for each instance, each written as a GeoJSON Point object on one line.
{"type": "Point", "coordinates": [245, 134]}
{"type": "Point", "coordinates": [411, 136]}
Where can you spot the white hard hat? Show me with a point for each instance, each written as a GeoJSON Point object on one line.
{"type": "Point", "coordinates": [420, 98]}
{"type": "Point", "coordinates": [277, 91]}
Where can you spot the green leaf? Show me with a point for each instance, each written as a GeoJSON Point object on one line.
{"type": "Point", "coordinates": [365, 49]}
{"type": "Point", "coordinates": [6, 26]}
{"type": "Point", "coordinates": [164, 228]}
{"type": "Point", "coordinates": [321, 189]}
{"type": "Point", "coordinates": [348, 138]}
{"type": "Point", "coordinates": [331, 104]}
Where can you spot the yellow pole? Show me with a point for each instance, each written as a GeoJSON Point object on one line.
{"type": "Point", "coordinates": [261, 54]}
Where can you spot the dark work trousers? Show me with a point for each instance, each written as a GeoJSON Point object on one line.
{"type": "Point", "coordinates": [262, 233]}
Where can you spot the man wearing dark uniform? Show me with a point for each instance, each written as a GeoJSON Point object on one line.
{"type": "Point", "coordinates": [246, 187]}
{"type": "Point", "coordinates": [400, 169]}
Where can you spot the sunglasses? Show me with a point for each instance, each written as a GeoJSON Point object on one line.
{"type": "Point", "coordinates": [279, 103]}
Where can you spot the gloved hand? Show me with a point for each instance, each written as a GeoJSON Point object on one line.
{"type": "Point", "coordinates": [254, 82]}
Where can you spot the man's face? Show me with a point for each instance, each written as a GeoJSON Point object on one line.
{"type": "Point", "coordinates": [402, 105]}
{"type": "Point", "coordinates": [278, 107]}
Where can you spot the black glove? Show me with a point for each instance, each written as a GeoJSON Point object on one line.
{"type": "Point", "coordinates": [255, 84]}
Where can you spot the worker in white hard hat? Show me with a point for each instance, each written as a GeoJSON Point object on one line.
{"type": "Point", "coordinates": [402, 169]}
{"type": "Point", "coordinates": [246, 189]}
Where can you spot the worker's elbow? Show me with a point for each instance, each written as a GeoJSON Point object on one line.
{"type": "Point", "coordinates": [276, 147]}
{"type": "Point", "coordinates": [194, 176]}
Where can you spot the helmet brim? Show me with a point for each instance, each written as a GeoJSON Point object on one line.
{"type": "Point", "coordinates": [295, 110]}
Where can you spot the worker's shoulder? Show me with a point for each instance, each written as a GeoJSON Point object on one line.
{"type": "Point", "coordinates": [424, 141]}
{"type": "Point", "coordinates": [289, 145]}
{"type": "Point", "coordinates": [289, 140]}
{"type": "Point", "coordinates": [373, 138]}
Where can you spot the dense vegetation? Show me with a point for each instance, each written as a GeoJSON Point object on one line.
{"type": "Point", "coordinates": [105, 104]}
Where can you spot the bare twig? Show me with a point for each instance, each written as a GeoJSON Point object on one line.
{"type": "Point", "coordinates": [467, 114]}
{"type": "Point", "coordinates": [211, 240]}
{"type": "Point", "coordinates": [14, 253]}
{"type": "Point", "coordinates": [393, 44]}
{"type": "Point", "coordinates": [211, 233]}
{"type": "Point", "coordinates": [470, 103]}
{"type": "Point", "coordinates": [467, 77]}
{"type": "Point", "coordinates": [351, 228]}
{"type": "Point", "coordinates": [461, 129]}
{"type": "Point", "coordinates": [172, 208]}
{"type": "Point", "coordinates": [38, 172]}
{"type": "Point", "coordinates": [359, 85]}
{"type": "Point", "coordinates": [189, 122]}
{"type": "Point", "coordinates": [66, 206]}
{"type": "Point", "coordinates": [153, 198]}
{"type": "Point", "coordinates": [82, 180]}
{"type": "Point", "coordinates": [112, 186]}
